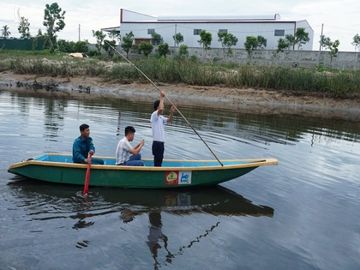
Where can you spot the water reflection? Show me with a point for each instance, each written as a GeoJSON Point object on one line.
{"type": "Point", "coordinates": [157, 240]}
{"type": "Point", "coordinates": [46, 201]}
{"type": "Point", "coordinates": [54, 117]}
{"type": "Point", "coordinates": [43, 202]}
{"type": "Point", "coordinates": [256, 128]}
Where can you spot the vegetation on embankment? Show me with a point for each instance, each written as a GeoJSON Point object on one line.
{"type": "Point", "coordinates": [333, 83]}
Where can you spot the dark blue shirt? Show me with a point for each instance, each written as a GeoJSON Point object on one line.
{"type": "Point", "coordinates": [81, 148]}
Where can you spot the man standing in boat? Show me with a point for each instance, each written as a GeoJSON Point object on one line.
{"type": "Point", "coordinates": [124, 149]}
{"type": "Point", "coordinates": [83, 146]}
{"type": "Point", "coordinates": [158, 122]}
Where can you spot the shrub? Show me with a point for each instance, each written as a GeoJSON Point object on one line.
{"type": "Point", "coordinates": [183, 50]}
{"type": "Point", "coordinates": [145, 48]}
{"type": "Point", "coordinates": [163, 49]}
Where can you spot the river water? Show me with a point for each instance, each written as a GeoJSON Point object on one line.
{"type": "Point", "coordinates": [302, 214]}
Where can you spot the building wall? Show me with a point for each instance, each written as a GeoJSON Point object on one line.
{"type": "Point", "coordinates": [304, 24]}
{"type": "Point", "coordinates": [240, 30]}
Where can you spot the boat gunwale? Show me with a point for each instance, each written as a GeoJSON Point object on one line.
{"type": "Point", "coordinates": [250, 163]}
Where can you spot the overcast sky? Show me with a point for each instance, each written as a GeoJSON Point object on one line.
{"type": "Point", "coordinates": [341, 18]}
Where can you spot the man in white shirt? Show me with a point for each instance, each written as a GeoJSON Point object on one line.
{"type": "Point", "coordinates": [124, 149]}
{"type": "Point", "coordinates": [158, 122]}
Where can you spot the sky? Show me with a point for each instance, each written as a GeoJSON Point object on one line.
{"type": "Point", "coordinates": [341, 19]}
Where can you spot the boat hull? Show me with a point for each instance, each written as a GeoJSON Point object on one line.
{"type": "Point", "coordinates": [132, 177]}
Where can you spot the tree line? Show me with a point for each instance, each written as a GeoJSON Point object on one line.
{"type": "Point", "coordinates": [226, 39]}
{"type": "Point", "coordinates": [54, 22]}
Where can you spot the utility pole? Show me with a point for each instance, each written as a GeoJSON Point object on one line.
{"type": "Point", "coordinates": [79, 32]}
{"type": "Point", "coordinates": [175, 34]}
{"type": "Point", "coordinates": [322, 32]}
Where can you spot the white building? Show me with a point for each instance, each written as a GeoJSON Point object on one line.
{"type": "Point", "coordinates": [270, 27]}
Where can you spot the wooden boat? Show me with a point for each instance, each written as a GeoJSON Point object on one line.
{"type": "Point", "coordinates": [59, 168]}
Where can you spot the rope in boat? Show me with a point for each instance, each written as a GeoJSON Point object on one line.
{"type": "Point", "coordinates": [167, 98]}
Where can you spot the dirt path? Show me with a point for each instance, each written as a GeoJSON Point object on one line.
{"type": "Point", "coordinates": [242, 100]}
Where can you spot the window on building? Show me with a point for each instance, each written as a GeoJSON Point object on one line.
{"type": "Point", "coordinates": [197, 32]}
{"type": "Point", "coordinates": [223, 31]}
{"type": "Point", "coordinates": [151, 31]}
{"type": "Point", "coordinates": [279, 32]}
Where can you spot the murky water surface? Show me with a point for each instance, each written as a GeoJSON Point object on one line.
{"type": "Point", "coordinates": [302, 214]}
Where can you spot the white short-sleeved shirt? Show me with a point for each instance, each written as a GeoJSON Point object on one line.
{"type": "Point", "coordinates": [123, 151]}
{"type": "Point", "coordinates": [158, 123]}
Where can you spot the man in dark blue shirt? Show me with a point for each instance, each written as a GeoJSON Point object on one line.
{"type": "Point", "coordinates": [83, 145]}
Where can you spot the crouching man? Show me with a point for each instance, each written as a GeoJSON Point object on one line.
{"type": "Point", "coordinates": [124, 149]}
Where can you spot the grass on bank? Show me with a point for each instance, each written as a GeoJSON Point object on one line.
{"type": "Point", "coordinates": [335, 83]}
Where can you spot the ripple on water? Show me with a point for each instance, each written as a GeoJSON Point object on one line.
{"type": "Point", "coordinates": [300, 214]}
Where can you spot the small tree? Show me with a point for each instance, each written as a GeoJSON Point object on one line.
{"type": "Point", "coordinates": [183, 50]}
{"type": "Point", "coordinates": [24, 28]}
{"type": "Point", "coordinates": [66, 46]}
{"type": "Point", "coordinates": [227, 40]}
{"type": "Point", "coordinates": [356, 42]}
{"type": "Point", "coordinates": [324, 41]}
{"type": "Point", "coordinates": [163, 49]}
{"type": "Point", "coordinates": [115, 35]}
{"type": "Point", "coordinates": [262, 42]}
{"type": "Point", "coordinates": [290, 39]}
{"type": "Point", "coordinates": [205, 39]}
{"type": "Point", "coordinates": [39, 39]}
{"type": "Point", "coordinates": [251, 44]}
{"type": "Point", "coordinates": [282, 45]}
{"type": "Point", "coordinates": [332, 46]}
{"type": "Point", "coordinates": [178, 38]}
{"type": "Point", "coordinates": [39, 33]}
{"type": "Point", "coordinates": [108, 45]}
{"type": "Point", "coordinates": [54, 22]}
{"type": "Point", "coordinates": [145, 48]}
{"type": "Point", "coordinates": [127, 42]}
{"type": "Point", "coordinates": [222, 36]}
{"type": "Point", "coordinates": [301, 37]}
{"type": "Point", "coordinates": [100, 37]}
{"type": "Point", "coordinates": [334, 49]}
{"type": "Point", "coordinates": [82, 46]}
{"type": "Point", "coordinates": [5, 31]}
{"type": "Point", "coordinates": [156, 39]}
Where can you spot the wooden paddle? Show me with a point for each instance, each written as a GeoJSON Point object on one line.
{"type": "Point", "coordinates": [87, 175]}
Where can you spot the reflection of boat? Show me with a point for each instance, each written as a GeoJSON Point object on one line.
{"type": "Point", "coordinates": [212, 200]}
{"type": "Point", "coordinates": [58, 168]}
{"type": "Point", "coordinates": [43, 202]}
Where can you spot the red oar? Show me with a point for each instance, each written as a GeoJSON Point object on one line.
{"type": "Point", "coordinates": [87, 176]}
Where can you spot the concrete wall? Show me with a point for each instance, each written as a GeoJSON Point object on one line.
{"type": "Point", "coordinates": [308, 59]}
{"type": "Point", "coordinates": [344, 60]}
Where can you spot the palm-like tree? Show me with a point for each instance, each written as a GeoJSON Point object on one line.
{"type": "Point", "coordinates": [5, 31]}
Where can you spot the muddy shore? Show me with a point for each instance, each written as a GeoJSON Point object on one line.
{"type": "Point", "coordinates": [241, 100]}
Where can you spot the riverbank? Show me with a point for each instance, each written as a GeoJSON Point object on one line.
{"type": "Point", "coordinates": [242, 100]}
{"type": "Point", "coordinates": [190, 71]}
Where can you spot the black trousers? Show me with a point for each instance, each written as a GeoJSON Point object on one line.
{"type": "Point", "coordinates": [158, 152]}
